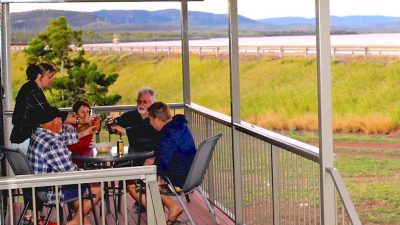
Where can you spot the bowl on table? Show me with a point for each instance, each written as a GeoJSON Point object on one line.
{"type": "Point", "coordinates": [103, 147]}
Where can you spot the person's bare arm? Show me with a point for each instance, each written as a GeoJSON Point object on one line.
{"type": "Point", "coordinates": [87, 130]}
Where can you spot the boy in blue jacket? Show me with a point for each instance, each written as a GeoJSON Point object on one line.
{"type": "Point", "coordinates": [175, 152]}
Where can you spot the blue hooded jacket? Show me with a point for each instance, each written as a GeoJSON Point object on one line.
{"type": "Point", "coordinates": [176, 151]}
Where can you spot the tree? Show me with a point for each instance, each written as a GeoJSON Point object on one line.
{"type": "Point", "coordinates": [83, 79]}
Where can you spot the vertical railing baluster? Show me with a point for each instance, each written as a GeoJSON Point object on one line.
{"type": "Point", "coordinates": [10, 206]}
{"type": "Point", "coordinates": [210, 168]}
{"type": "Point", "coordinates": [275, 184]}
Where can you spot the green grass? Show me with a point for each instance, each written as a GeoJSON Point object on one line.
{"type": "Point", "coordinates": [275, 93]}
{"type": "Point", "coordinates": [372, 179]}
{"type": "Point", "coordinates": [366, 166]}
{"type": "Point", "coordinates": [342, 137]}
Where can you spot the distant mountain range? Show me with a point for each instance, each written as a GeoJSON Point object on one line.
{"type": "Point", "coordinates": [169, 19]}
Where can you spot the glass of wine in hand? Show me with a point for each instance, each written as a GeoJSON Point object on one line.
{"type": "Point", "coordinates": [96, 122]}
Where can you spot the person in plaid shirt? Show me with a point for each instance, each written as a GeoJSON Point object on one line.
{"type": "Point", "coordinates": [48, 153]}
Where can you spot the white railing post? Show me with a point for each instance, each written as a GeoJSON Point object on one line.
{"type": "Point", "coordinates": [281, 52]}
{"type": "Point", "coordinates": [155, 212]}
{"type": "Point", "coordinates": [334, 52]}
{"type": "Point", "coordinates": [306, 52]}
{"type": "Point", "coordinates": [275, 184]}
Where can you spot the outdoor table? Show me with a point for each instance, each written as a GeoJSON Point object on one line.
{"type": "Point", "coordinates": [92, 157]}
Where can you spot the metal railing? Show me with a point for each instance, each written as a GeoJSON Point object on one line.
{"type": "Point", "coordinates": [155, 210]}
{"type": "Point", "coordinates": [261, 50]}
{"type": "Point", "coordinates": [347, 208]}
{"type": "Point", "coordinates": [280, 175]}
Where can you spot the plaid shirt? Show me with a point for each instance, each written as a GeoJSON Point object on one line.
{"type": "Point", "coordinates": [29, 98]}
{"type": "Point", "coordinates": [48, 153]}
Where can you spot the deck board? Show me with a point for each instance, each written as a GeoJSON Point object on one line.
{"type": "Point", "coordinates": [197, 208]}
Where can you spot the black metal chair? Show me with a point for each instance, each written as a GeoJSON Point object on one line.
{"type": "Point", "coordinates": [21, 166]}
{"type": "Point", "coordinates": [196, 175]}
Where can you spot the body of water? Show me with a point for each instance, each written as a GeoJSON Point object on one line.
{"type": "Point", "coordinates": [336, 40]}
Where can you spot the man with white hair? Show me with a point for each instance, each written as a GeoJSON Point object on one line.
{"type": "Point", "coordinates": [136, 124]}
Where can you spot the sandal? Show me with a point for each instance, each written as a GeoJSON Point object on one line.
{"type": "Point", "coordinates": [29, 221]}
{"type": "Point", "coordinates": [175, 222]}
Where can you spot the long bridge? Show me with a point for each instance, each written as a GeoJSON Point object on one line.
{"type": "Point", "coordinates": [306, 51]}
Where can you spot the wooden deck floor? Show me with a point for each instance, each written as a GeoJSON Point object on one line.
{"type": "Point", "coordinates": [197, 208]}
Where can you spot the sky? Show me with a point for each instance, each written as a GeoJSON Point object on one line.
{"type": "Point", "coordinates": [254, 9]}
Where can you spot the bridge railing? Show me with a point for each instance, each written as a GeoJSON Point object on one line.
{"type": "Point", "coordinates": [261, 50]}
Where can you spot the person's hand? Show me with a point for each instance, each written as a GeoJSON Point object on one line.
{"type": "Point", "coordinates": [86, 120]}
{"type": "Point", "coordinates": [109, 123]}
{"type": "Point", "coordinates": [149, 162]}
{"type": "Point", "coordinates": [118, 129]}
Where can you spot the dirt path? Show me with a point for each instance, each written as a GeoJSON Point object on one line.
{"type": "Point", "coordinates": [368, 145]}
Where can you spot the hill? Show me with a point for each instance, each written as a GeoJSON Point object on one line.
{"type": "Point", "coordinates": [354, 23]}
{"type": "Point", "coordinates": [169, 19]}
{"type": "Point", "coordinates": [124, 20]}
{"type": "Point", "coordinates": [276, 94]}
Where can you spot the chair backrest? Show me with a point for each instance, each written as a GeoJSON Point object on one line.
{"type": "Point", "coordinates": [18, 161]}
{"type": "Point", "coordinates": [20, 165]}
{"type": "Point", "coordinates": [200, 163]}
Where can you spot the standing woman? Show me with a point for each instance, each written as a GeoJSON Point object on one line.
{"type": "Point", "coordinates": [29, 98]}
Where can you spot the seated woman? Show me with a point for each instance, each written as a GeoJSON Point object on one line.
{"type": "Point", "coordinates": [81, 111]}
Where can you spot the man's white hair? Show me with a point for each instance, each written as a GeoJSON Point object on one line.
{"type": "Point", "coordinates": [147, 90]}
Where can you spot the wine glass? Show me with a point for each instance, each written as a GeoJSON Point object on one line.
{"type": "Point", "coordinates": [96, 122]}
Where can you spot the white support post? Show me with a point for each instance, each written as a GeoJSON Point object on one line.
{"type": "Point", "coordinates": [235, 108]}
{"type": "Point", "coordinates": [185, 53]}
{"type": "Point", "coordinates": [6, 78]}
{"type": "Point", "coordinates": [327, 190]}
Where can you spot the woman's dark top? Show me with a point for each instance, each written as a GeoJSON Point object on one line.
{"type": "Point", "coordinates": [176, 151]}
{"type": "Point", "coordinates": [141, 135]}
{"type": "Point", "coordinates": [29, 98]}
